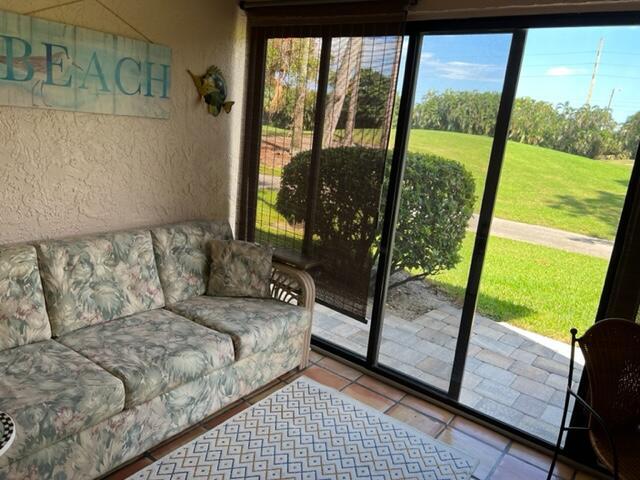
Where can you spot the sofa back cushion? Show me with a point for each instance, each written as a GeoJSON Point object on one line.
{"type": "Point", "coordinates": [183, 256]}
{"type": "Point", "coordinates": [92, 280]}
{"type": "Point", "coordinates": [23, 317]}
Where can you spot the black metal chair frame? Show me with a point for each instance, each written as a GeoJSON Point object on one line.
{"type": "Point", "coordinates": [582, 402]}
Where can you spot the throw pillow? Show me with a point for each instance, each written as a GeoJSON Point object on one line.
{"type": "Point", "coordinates": [240, 269]}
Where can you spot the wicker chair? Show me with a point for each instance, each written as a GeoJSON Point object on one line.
{"type": "Point", "coordinates": [611, 349]}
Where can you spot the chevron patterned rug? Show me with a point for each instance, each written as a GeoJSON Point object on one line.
{"type": "Point", "coordinates": [309, 431]}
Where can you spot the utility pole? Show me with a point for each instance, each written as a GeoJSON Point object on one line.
{"type": "Point", "coordinates": [613, 92]}
{"type": "Point", "coordinates": [596, 65]}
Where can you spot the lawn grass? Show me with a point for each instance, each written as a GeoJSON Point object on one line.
{"type": "Point", "coordinates": [540, 186]}
{"type": "Point", "coordinates": [270, 171]}
{"type": "Point", "coordinates": [271, 227]}
{"type": "Point", "coordinates": [540, 289]}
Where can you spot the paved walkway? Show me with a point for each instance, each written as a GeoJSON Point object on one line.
{"type": "Point", "coordinates": [550, 237]}
{"type": "Point", "coordinates": [513, 375]}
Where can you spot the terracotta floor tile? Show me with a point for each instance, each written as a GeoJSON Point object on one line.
{"type": "Point", "coordinates": [340, 368]}
{"type": "Point", "coordinates": [416, 419]}
{"type": "Point", "coordinates": [368, 397]}
{"type": "Point", "coordinates": [315, 356]}
{"type": "Point", "coordinates": [226, 415]}
{"type": "Point", "coordinates": [541, 460]}
{"type": "Point", "coordinates": [486, 454]}
{"type": "Point", "coordinates": [130, 469]}
{"type": "Point", "coordinates": [511, 468]}
{"type": "Point", "coordinates": [264, 393]}
{"type": "Point", "coordinates": [381, 387]}
{"type": "Point", "coordinates": [177, 442]}
{"type": "Point", "coordinates": [478, 431]}
{"type": "Point", "coordinates": [326, 377]}
{"type": "Point", "coordinates": [427, 408]}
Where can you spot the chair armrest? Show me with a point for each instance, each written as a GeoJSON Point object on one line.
{"type": "Point", "coordinates": [291, 285]}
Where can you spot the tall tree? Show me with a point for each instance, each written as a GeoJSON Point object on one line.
{"type": "Point", "coordinates": [391, 95]}
{"type": "Point", "coordinates": [335, 99]}
{"type": "Point", "coordinates": [297, 132]}
{"type": "Point", "coordinates": [277, 68]}
{"type": "Point", "coordinates": [353, 101]}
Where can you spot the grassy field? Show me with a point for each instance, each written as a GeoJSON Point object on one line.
{"type": "Point", "coordinates": [538, 185]}
{"type": "Point", "coordinates": [540, 289]}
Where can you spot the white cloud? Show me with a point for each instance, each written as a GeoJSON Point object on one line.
{"type": "Point", "coordinates": [562, 71]}
{"type": "Point", "coordinates": [455, 70]}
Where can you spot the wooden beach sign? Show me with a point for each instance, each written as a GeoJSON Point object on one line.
{"type": "Point", "coordinates": [47, 64]}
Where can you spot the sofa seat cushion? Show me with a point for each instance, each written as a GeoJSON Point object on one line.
{"type": "Point", "coordinates": [254, 323]}
{"type": "Point", "coordinates": [152, 352]}
{"type": "Point", "coordinates": [52, 392]}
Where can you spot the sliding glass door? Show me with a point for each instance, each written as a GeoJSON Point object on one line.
{"type": "Point", "coordinates": [456, 196]}
{"type": "Point", "coordinates": [327, 113]}
{"type": "Point", "coordinates": [459, 82]}
{"type": "Point", "coordinates": [564, 178]}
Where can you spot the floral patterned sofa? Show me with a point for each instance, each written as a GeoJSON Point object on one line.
{"type": "Point", "coordinates": [108, 345]}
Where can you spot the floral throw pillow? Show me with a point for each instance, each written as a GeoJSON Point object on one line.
{"type": "Point", "coordinates": [240, 269]}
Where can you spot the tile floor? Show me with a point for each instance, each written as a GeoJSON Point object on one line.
{"type": "Point", "coordinates": [513, 375]}
{"type": "Point", "coordinates": [500, 458]}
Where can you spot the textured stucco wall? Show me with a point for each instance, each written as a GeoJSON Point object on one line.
{"type": "Point", "coordinates": [65, 173]}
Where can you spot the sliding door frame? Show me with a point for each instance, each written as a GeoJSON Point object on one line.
{"type": "Point", "coordinates": [620, 272]}
{"type": "Point", "coordinates": [498, 147]}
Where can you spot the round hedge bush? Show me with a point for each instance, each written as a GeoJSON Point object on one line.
{"type": "Point", "coordinates": [436, 203]}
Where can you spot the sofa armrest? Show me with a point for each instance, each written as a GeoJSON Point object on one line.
{"type": "Point", "coordinates": [291, 285]}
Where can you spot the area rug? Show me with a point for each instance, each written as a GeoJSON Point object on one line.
{"type": "Point", "coordinates": [309, 431]}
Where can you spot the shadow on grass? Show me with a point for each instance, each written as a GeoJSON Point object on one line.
{"type": "Point", "coordinates": [605, 207]}
{"type": "Point", "coordinates": [494, 308]}
{"type": "Point", "coordinates": [278, 240]}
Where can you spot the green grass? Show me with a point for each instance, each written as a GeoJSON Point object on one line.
{"type": "Point", "coordinates": [538, 185]}
{"type": "Point", "coordinates": [270, 224]}
{"type": "Point", "coordinates": [540, 289]}
{"type": "Point", "coordinates": [271, 171]}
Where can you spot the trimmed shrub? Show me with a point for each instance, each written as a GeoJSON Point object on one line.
{"type": "Point", "coordinates": [436, 204]}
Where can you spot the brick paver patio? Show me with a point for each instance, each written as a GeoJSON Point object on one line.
{"type": "Point", "coordinates": [513, 375]}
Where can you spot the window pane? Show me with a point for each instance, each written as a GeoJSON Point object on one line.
{"type": "Point", "coordinates": [448, 154]}
{"type": "Point", "coordinates": [291, 77]}
{"type": "Point", "coordinates": [563, 183]}
{"type": "Point", "coordinates": [359, 113]}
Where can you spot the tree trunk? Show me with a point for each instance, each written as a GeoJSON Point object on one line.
{"type": "Point", "coordinates": [335, 100]}
{"type": "Point", "coordinates": [280, 74]}
{"type": "Point", "coordinates": [353, 99]}
{"type": "Point", "coordinates": [297, 133]}
{"type": "Point", "coordinates": [391, 95]}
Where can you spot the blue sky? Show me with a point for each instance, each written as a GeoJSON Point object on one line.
{"type": "Point", "coordinates": [557, 65]}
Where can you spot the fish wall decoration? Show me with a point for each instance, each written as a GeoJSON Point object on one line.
{"type": "Point", "coordinates": [212, 87]}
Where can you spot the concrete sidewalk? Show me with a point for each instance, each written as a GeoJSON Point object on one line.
{"type": "Point", "coordinates": [549, 237]}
